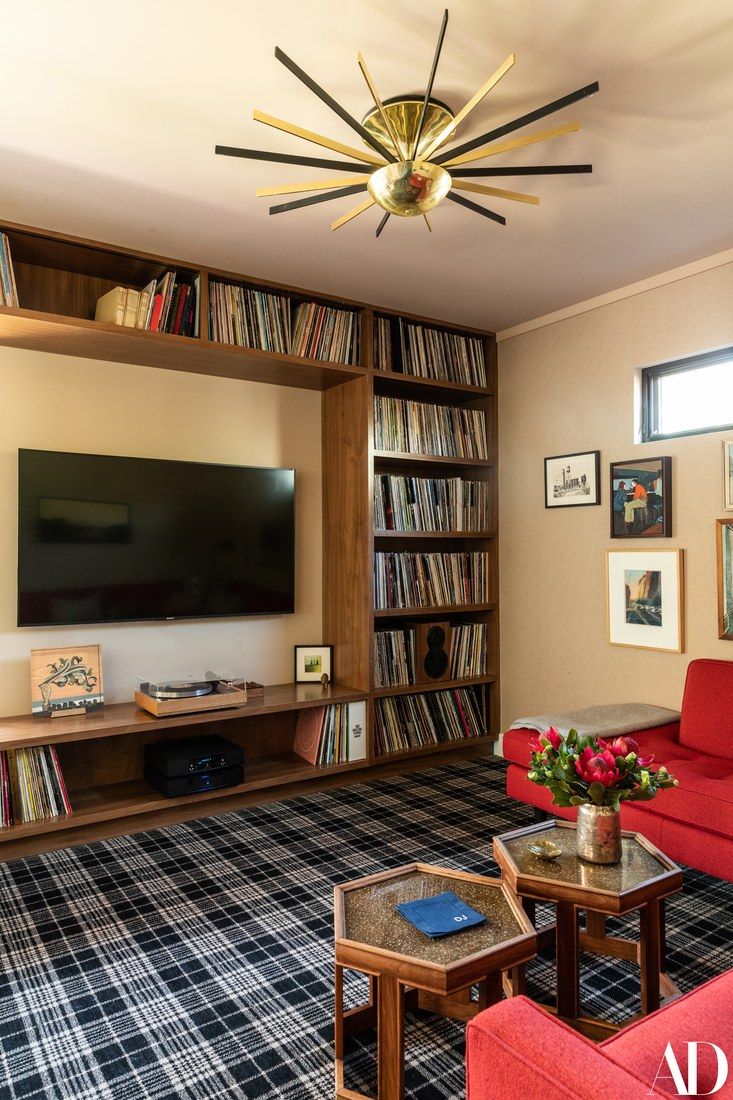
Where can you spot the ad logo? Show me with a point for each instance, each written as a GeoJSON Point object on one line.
{"type": "Point", "coordinates": [690, 1086]}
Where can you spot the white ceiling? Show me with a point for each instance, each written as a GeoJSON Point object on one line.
{"type": "Point", "coordinates": [110, 113]}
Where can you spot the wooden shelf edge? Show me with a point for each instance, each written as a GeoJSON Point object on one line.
{"type": "Point", "coordinates": [428, 750]}
{"type": "Point", "coordinates": [433, 534]}
{"type": "Point", "coordinates": [416, 459]}
{"type": "Point", "coordinates": [438, 685]}
{"type": "Point", "coordinates": [416, 382]}
{"type": "Point", "coordinates": [443, 609]}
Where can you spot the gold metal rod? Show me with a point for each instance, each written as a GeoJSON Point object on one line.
{"type": "Point", "coordinates": [499, 192]}
{"type": "Point", "coordinates": [353, 213]}
{"type": "Point", "coordinates": [317, 139]}
{"type": "Point", "coordinates": [401, 153]}
{"type": "Point", "coordinates": [473, 102]}
{"type": "Point", "coordinates": [427, 222]}
{"type": "Point", "coordinates": [314, 185]}
{"type": "Point", "coordinates": [513, 143]}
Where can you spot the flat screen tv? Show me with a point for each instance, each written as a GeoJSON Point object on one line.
{"type": "Point", "coordinates": [106, 539]}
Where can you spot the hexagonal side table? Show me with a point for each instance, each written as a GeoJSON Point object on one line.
{"type": "Point", "coordinates": [408, 969]}
{"type": "Point", "coordinates": [641, 880]}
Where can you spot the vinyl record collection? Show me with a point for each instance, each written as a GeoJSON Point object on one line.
{"type": "Point", "coordinates": [430, 580]}
{"type": "Point", "coordinates": [167, 304]}
{"type": "Point", "coordinates": [394, 657]}
{"type": "Point", "coordinates": [335, 734]}
{"type": "Point", "coordinates": [8, 289]}
{"type": "Point", "coordinates": [410, 721]}
{"type": "Point", "coordinates": [421, 428]}
{"type": "Point", "coordinates": [382, 343]}
{"type": "Point", "coordinates": [435, 353]}
{"type": "Point", "coordinates": [33, 786]}
{"type": "Point", "coordinates": [468, 653]}
{"type": "Point", "coordinates": [258, 319]}
{"type": "Point", "coordinates": [430, 504]}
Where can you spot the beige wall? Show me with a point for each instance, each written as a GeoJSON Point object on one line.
{"type": "Point", "coordinates": [59, 403]}
{"type": "Point", "coordinates": [570, 387]}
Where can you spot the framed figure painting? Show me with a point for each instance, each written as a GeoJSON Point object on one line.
{"type": "Point", "coordinates": [573, 479]}
{"type": "Point", "coordinates": [641, 498]}
{"type": "Point", "coordinates": [725, 577]}
{"type": "Point", "coordinates": [728, 475]}
{"type": "Point", "coordinates": [645, 599]}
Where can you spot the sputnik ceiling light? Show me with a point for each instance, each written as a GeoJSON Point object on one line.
{"type": "Point", "coordinates": [403, 171]}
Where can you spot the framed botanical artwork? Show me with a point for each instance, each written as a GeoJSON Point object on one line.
{"type": "Point", "coordinates": [641, 498]}
{"type": "Point", "coordinates": [312, 663]}
{"type": "Point", "coordinates": [645, 599]}
{"type": "Point", "coordinates": [728, 475]}
{"type": "Point", "coordinates": [724, 530]}
{"type": "Point", "coordinates": [571, 480]}
{"type": "Point", "coordinates": [66, 680]}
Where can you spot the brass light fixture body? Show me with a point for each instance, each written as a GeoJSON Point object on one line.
{"type": "Point", "coordinates": [404, 166]}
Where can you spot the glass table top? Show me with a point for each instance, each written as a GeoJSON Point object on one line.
{"type": "Point", "coordinates": [370, 917]}
{"type": "Point", "coordinates": [637, 865]}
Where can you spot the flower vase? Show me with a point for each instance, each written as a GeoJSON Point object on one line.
{"type": "Point", "coordinates": [599, 834]}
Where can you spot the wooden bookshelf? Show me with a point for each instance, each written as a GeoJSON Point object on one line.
{"type": "Point", "coordinates": [59, 280]}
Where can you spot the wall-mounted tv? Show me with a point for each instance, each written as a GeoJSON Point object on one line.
{"type": "Point", "coordinates": [107, 539]}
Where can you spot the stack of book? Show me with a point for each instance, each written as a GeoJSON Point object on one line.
{"type": "Point", "coordinates": [430, 580]}
{"type": "Point", "coordinates": [167, 304]}
{"type": "Point", "coordinates": [468, 651]}
{"type": "Point", "coordinates": [445, 356]}
{"type": "Point", "coordinates": [33, 786]}
{"type": "Point", "coordinates": [249, 318]}
{"type": "Point", "coordinates": [322, 332]}
{"type": "Point", "coordinates": [334, 734]}
{"type": "Point", "coordinates": [252, 318]}
{"type": "Point", "coordinates": [421, 428]}
{"type": "Point", "coordinates": [382, 343]}
{"type": "Point", "coordinates": [8, 289]}
{"type": "Point", "coordinates": [430, 504]}
{"type": "Point", "coordinates": [394, 657]}
{"type": "Point", "coordinates": [412, 721]}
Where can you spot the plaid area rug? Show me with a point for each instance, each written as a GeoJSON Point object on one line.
{"type": "Point", "coordinates": [196, 961]}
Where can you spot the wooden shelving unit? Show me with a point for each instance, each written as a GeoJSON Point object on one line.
{"type": "Point", "coordinates": [59, 281]}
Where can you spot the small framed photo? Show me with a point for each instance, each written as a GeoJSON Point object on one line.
{"type": "Point", "coordinates": [728, 475]}
{"type": "Point", "coordinates": [725, 577]}
{"type": "Point", "coordinates": [645, 599]}
{"type": "Point", "coordinates": [66, 681]}
{"type": "Point", "coordinates": [312, 663]}
{"type": "Point", "coordinates": [641, 498]}
{"type": "Point", "coordinates": [572, 480]}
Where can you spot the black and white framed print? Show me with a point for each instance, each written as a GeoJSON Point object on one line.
{"type": "Point", "coordinates": [572, 480]}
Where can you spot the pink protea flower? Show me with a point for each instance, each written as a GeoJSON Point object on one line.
{"type": "Point", "coordinates": [619, 746]}
{"type": "Point", "coordinates": [597, 767]}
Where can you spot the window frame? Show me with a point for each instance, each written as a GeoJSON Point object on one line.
{"type": "Point", "coordinates": [650, 376]}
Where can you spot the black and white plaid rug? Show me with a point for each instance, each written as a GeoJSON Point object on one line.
{"type": "Point", "coordinates": [196, 961]}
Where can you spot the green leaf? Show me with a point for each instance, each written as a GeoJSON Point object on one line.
{"type": "Point", "coordinates": [571, 738]}
{"type": "Point", "coordinates": [578, 800]}
{"type": "Point", "coordinates": [597, 793]}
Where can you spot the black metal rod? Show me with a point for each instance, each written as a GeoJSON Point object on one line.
{"type": "Point", "coordinates": [428, 90]}
{"type": "Point", "coordinates": [532, 170]}
{"type": "Point", "coordinates": [484, 211]}
{"type": "Point", "coordinates": [287, 158]}
{"type": "Point", "coordinates": [383, 222]}
{"type": "Point", "coordinates": [331, 102]}
{"type": "Point", "coordinates": [518, 123]}
{"type": "Point", "coordinates": [312, 199]}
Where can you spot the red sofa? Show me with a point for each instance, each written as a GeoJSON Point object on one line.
{"type": "Point", "coordinates": [517, 1049]}
{"type": "Point", "coordinates": [692, 823]}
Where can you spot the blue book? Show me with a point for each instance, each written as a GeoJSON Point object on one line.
{"type": "Point", "coordinates": [441, 915]}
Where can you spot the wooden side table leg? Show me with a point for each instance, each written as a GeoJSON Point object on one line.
{"type": "Point", "coordinates": [595, 924]}
{"type": "Point", "coordinates": [490, 990]}
{"type": "Point", "coordinates": [390, 1038]}
{"type": "Point", "coordinates": [338, 1013]}
{"type": "Point", "coordinates": [568, 996]}
{"type": "Point", "coordinates": [650, 956]}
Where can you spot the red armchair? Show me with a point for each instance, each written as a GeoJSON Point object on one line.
{"type": "Point", "coordinates": [517, 1049]}
{"type": "Point", "coordinates": [692, 823]}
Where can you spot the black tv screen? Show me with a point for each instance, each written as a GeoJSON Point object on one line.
{"type": "Point", "coordinates": [106, 539]}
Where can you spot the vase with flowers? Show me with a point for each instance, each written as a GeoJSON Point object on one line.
{"type": "Point", "coordinates": [596, 775]}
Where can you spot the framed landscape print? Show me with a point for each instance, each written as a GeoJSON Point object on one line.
{"type": "Point", "coordinates": [728, 475]}
{"type": "Point", "coordinates": [641, 498]}
{"type": "Point", "coordinates": [725, 577]}
{"type": "Point", "coordinates": [312, 663]}
{"type": "Point", "coordinates": [645, 599]}
{"type": "Point", "coordinates": [573, 479]}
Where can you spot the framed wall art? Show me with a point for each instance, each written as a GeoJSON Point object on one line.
{"type": "Point", "coordinates": [724, 531]}
{"type": "Point", "coordinates": [728, 475]}
{"type": "Point", "coordinates": [641, 498]}
{"type": "Point", "coordinates": [312, 663]}
{"type": "Point", "coordinates": [645, 599]}
{"type": "Point", "coordinates": [572, 480]}
{"type": "Point", "coordinates": [66, 680]}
